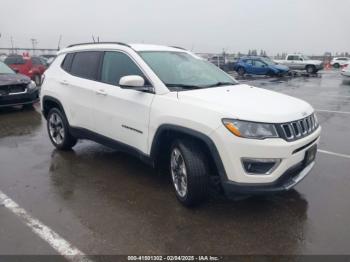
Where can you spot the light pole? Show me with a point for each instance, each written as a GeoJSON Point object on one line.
{"type": "Point", "coordinates": [34, 42]}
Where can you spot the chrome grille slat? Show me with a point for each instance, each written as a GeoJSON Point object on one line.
{"type": "Point", "coordinates": [297, 129]}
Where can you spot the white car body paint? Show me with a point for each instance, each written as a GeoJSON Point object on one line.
{"type": "Point", "coordinates": [198, 110]}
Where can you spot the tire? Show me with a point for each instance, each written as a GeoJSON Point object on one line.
{"type": "Point", "coordinates": [311, 69]}
{"type": "Point", "coordinates": [58, 130]}
{"type": "Point", "coordinates": [37, 80]}
{"type": "Point", "coordinates": [189, 172]}
{"type": "Point", "coordinates": [336, 65]}
{"type": "Point", "coordinates": [241, 71]}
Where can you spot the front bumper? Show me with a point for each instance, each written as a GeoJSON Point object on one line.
{"type": "Point", "coordinates": [29, 97]}
{"type": "Point", "coordinates": [287, 181]}
{"type": "Point", "coordinates": [290, 171]}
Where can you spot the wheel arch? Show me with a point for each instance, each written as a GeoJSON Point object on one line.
{"type": "Point", "coordinates": [167, 133]}
{"type": "Point", "coordinates": [51, 102]}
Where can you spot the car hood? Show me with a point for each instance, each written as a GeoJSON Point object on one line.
{"type": "Point", "coordinates": [249, 103]}
{"type": "Point", "coordinates": [281, 67]}
{"type": "Point", "coordinates": [12, 79]}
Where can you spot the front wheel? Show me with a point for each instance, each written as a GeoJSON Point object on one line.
{"type": "Point", "coordinates": [241, 71]}
{"type": "Point", "coordinates": [189, 173]}
{"type": "Point", "coordinates": [58, 129]}
{"type": "Point", "coordinates": [336, 65]}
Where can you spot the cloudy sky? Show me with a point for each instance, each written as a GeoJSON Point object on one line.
{"type": "Point", "coordinates": [309, 26]}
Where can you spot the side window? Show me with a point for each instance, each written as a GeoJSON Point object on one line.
{"type": "Point", "coordinates": [258, 63]}
{"type": "Point", "coordinates": [249, 62]}
{"type": "Point", "coordinates": [116, 65]}
{"type": "Point", "coordinates": [291, 57]}
{"type": "Point", "coordinates": [67, 62]}
{"type": "Point", "coordinates": [86, 64]}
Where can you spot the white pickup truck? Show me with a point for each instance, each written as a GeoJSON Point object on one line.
{"type": "Point", "coordinates": [301, 62]}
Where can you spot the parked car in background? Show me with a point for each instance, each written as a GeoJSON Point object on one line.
{"type": "Point", "coordinates": [340, 61]}
{"type": "Point", "coordinates": [301, 62]}
{"type": "Point", "coordinates": [48, 58]}
{"type": "Point", "coordinates": [218, 60]}
{"type": "Point", "coordinates": [16, 89]}
{"type": "Point", "coordinates": [174, 110]}
{"type": "Point", "coordinates": [346, 70]}
{"type": "Point", "coordinates": [3, 57]}
{"type": "Point", "coordinates": [259, 66]}
{"type": "Point", "coordinates": [33, 67]}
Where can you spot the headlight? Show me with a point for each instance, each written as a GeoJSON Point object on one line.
{"type": "Point", "coordinates": [31, 85]}
{"type": "Point", "coordinates": [250, 129]}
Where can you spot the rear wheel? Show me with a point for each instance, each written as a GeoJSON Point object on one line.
{"type": "Point", "coordinates": [58, 129]}
{"type": "Point", "coordinates": [336, 65]}
{"type": "Point", "coordinates": [189, 172]}
{"type": "Point", "coordinates": [311, 69]}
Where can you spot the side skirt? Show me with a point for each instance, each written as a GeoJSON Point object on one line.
{"type": "Point", "coordinates": [82, 133]}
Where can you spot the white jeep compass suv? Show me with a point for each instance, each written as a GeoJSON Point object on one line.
{"type": "Point", "coordinates": [168, 107]}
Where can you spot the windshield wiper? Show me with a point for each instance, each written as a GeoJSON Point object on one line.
{"type": "Point", "coordinates": [184, 86]}
{"type": "Point", "coordinates": [222, 84]}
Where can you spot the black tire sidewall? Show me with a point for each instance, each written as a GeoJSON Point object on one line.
{"type": "Point", "coordinates": [189, 199]}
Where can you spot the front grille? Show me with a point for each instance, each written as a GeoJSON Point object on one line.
{"type": "Point", "coordinates": [12, 89]}
{"type": "Point", "coordinates": [298, 129]}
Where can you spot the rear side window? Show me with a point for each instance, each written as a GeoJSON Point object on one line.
{"type": "Point", "coordinates": [116, 65]}
{"type": "Point", "coordinates": [291, 57]}
{"type": "Point", "coordinates": [86, 64]}
{"type": "Point", "coordinates": [67, 62]}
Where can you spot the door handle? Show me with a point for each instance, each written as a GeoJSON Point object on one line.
{"type": "Point", "coordinates": [101, 92]}
{"type": "Point", "coordinates": [64, 82]}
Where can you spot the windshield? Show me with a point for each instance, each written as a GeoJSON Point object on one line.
{"type": "Point", "coordinates": [4, 69]}
{"type": "Point", "coordinates": [268, 61]}
{"type": "Point", "coordinates": [179, 70]}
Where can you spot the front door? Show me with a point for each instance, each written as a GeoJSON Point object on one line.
{"type": "Point", "coordinates": [122, 114]}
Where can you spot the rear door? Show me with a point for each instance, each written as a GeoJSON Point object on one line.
{"type": "Point", "coordinates": [80, 85]}
{"type": "Point", "coordinates": [122, 114]}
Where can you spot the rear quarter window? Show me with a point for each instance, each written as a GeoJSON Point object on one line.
{"type": "Point", "coordinates": [67, 62]}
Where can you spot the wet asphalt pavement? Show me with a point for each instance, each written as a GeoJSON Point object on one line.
{"type": "Point", "coordinates": [106, 202]}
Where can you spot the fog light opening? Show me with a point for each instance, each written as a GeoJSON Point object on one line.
{"type": "Point", "coordinates": [260, 166]}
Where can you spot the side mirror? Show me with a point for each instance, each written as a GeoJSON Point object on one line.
{"type": "Point", "coordinates": [131, 81]}
{"type": "Point", "coordinates": [16, 70]}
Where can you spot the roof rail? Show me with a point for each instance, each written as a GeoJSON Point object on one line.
{"type": "Point", "coordinates": [178, 47]}
{"type": "Point", "coordinates": [95, 43]}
